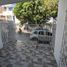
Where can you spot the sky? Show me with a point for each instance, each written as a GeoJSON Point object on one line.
{"type": "Point", "coordinates": [9, 1]}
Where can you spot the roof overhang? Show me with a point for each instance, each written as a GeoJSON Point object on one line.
{"type": "Point", "coordinates": [2, 2]}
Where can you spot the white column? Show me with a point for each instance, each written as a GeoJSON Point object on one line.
{"type": "Point", "coordinates": [60, 28]}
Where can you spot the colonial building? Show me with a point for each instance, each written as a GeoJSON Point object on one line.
{"type": "Point", "coordinates": [6, 12]}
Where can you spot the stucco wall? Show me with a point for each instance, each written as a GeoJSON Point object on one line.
{"type": "Point", "coordinates": [60, 29]}
{"type": "Point", "coordinates": [7, 33]}
{"type": "Point", "coordinates": [1, 44]}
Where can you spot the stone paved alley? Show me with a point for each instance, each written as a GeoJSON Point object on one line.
{"type": "Point", "coordinates": [24, 54]}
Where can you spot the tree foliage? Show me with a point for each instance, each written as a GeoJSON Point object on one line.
{"type": "Point", "coordinates": [52, 7]}
{"type": "Point", "coordinates": [36, 11]}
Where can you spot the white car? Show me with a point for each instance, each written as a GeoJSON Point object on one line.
{"type": "Point", "coordinates": [41, 35]}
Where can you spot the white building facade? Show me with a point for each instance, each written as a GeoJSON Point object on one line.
{"type": "Point", "coordinates": [7, 12]}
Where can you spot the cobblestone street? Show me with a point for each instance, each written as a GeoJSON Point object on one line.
{"type": "Point", "coordinates": [24, 54]}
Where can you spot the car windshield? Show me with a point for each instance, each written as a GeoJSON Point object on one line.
{"type": "Point", "coordinates": [42, 29]}
{"type": "Point", "coordinates": [35, 32]}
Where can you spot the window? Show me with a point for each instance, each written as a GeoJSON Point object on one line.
{"type": "Point", "coordinates": [5, 8]}
{"type": "Point", "coordinates": [10, 8]}
{"type": "Point", "coordinates": [41, 32]}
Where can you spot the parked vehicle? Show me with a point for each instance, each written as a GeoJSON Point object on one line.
{"type": "Point", "coordinates": [41, 35]}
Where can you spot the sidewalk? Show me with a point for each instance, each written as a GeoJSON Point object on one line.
{"type": "Point", "coordinates": [24, 54]}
